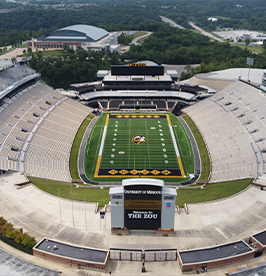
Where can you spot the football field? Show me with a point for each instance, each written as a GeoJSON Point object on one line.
{"type": "Point", "coordinates": [139, 145]}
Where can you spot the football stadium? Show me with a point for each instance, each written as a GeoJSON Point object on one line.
{"type": "Point", "coordinates": [136, 138]}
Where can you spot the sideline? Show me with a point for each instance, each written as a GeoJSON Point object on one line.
{"type": "Point", "coordinates": [195, 151]}
{"type": "Point", "coordinates": [82, 149]}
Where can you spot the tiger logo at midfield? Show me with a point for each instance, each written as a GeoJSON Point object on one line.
{"type": "Point", "coordinates": [138, 139]}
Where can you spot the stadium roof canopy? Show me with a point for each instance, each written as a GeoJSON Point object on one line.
{"type": "Point", "coordinates": [85, 33]}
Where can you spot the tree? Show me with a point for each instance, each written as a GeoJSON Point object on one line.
{"type": "Point", "coordinates": [125, 39]}
{"type": "Point", "coordinates": [264, 44]}
{"type": "Point", "coordinates": [29, 50]}
{"type": "Point", "coordinates": [65, 47]}
{"type": "Point", "coordinates": [2, 221]}
{"type": "Point", "coordinates": [189, 68]}
{"type": "Point", "coordinates": [247, 41]}
{"type": "Point", "coordinates": [29, 241]}
{"type": "Point", "coordinates": [13, 60]}
{"type": "Point", "coordinates": [6, 229]}
{"type": "Point", "coordinates": [20, 237]}
{"type": "Point", "coordinates": [13, 234]}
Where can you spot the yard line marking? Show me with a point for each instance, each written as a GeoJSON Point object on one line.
{"type": "Point", "coordinates": [176, 148]}
{"type": "Point", "coordinates": [181, 166]}
{"type": "Point", "coordinates": [129, 141]}
{"type": "Point", "coordinates": [174, 141]}
{"type": "Point", "coordinates": [97, 166]}
{"type": "Point", "coordinates": [148, 143]}
{"type": "Point", "coordinates": [179, 146]}
{"type": "Point", "coordinates": [168, 119]}
{"type": "Point", "coordinates": [101, 147]}
{"type": "Point", "coordinates": [187, 141]}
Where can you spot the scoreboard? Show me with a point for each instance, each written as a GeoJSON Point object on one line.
{"type": "Point", "coordinates": [142, 204]}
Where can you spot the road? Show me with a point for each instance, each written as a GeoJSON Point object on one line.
{"type": "Point", "coordinates": [136, 40]}
{"type": "Point", "coordinates": [172, 23]}
{"type": "Point", "coordinates": [14, 53]}
{"type": "Point", "coordinates": [204, 32]}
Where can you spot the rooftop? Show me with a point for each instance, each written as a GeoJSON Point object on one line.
{"type": "Point", "coordinates": [74, 252]}
{"type": "Point", "coordinates": [75, 33]}
{"type": "Point", "coordinates": [138, 93]}
{"type": "Point", "coordinates": [91, 31]}
{"type": "Point", "coordinates": [261, 237]}
{"type": "Point", "coordinates": [233, 74]}
{"type": "Point", "coordinates": [214, 253]}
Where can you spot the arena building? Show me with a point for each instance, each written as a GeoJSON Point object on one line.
{"type": "Point", "coordinates": [79, 37]}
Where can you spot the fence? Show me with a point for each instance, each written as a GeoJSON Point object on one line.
{"type": "Point", "coordinates": [148, 255]}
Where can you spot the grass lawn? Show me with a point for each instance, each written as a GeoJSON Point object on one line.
{"type": "Point", "coordinates": [211, 192]}
{"type": "Point", "coordinates": [220, 37]}
{"type": "Point", "coordinates": [143, 38]}
{"type": "Point", "coordinates": [90, 194]}
{"type": "Point", "coordinates": [46, 53]}
{"type": "Point", "coordinates": [253, 49]}
{"type": "Point", "coordinates": [73, 160]}
{"type": "Point", "coordinates": [138, 34]}
{"type": "Point", "coordinates": [23, 46]}
{"type": "Point", "coordinates": [204, 156]}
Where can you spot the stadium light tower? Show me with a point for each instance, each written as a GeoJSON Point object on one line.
{"type": "Point", "coordinates": [250, 62]}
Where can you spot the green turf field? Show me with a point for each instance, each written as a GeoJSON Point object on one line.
{"type": "Point", "coordinates": [138, 145]}
{"type": "Point", "coordinates": [154, 151]}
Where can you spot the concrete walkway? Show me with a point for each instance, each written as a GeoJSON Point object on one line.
{"type": "Point", "coordinates": [138, 40]}
{"type": "Point", "coordinates": [207, 224]}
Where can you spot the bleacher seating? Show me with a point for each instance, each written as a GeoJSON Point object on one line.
{"type": "Point", "coordinates": [14, 74]}
{"type": "Point", "coordinates": [130, 103]}
{"type": "Point", "coordinates": [229, 123]}
{"type": "Point", "coordinates": [37, 129]}
{"type": "Point", "coordinates": [48, 153]}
